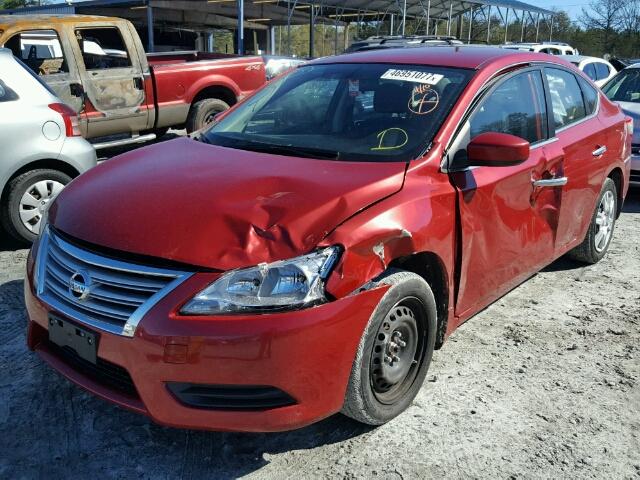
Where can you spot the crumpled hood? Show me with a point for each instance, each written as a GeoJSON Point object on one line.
{"type": "Point", "coordinates": [633, 110]}
{"type": "Point", "coordinates": [217, 207]}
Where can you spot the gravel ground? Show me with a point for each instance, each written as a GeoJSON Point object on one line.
{"type": "Point", "coordinates": [544, 383]}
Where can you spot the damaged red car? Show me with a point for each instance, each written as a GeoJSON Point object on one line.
{"type": "Point", "coordinates": [307, 253]}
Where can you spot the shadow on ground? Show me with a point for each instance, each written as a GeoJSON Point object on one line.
{"type": "Point", "coordinates": [51, 428]}
{"type": "Point", "coordinates": [632, 202]}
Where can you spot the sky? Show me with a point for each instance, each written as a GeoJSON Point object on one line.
{"type": "Point", "coordinates": [573, 7]}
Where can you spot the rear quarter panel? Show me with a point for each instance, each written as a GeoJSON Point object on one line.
{"type": "Point", "coordinates": [618, 142]}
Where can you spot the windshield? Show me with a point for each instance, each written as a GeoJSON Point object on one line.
{"type": "Point", "coordinates": [353, 112]}
{"type": "Point", "coordinates": [625, 87]}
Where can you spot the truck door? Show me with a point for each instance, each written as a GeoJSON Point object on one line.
{"type": "Point", "coordinates": [52, 60]}
{"type": "Point", "coordinates": [113, 79]}
{"type": "Point", "coordinates": [508, 215]}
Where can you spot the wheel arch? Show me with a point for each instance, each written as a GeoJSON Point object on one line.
{"type": "Point", "coordinates": [431, 268]}
{"type": "Point", "coordinates": [48, 163]}
{"type": "Point", "coordinates": [220, 92]}
{"type": "Point", "coordinates": [617, 176]}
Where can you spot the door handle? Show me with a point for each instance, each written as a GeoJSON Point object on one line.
{"type": "Point", "coordinates": [598, 152]}
{"type": "Point", "coordinates": [138, 83]}
{"type": "Point", "coordinates": [551, 182]}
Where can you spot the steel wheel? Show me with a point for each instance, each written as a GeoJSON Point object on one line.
{"type": "Point", "coordinates": [605, 218]}
{"type": "Point", "coordinates": [34, 202]}
{"type": "Point", "coordinates": [398, 349]}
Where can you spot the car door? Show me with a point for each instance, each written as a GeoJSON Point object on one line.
{"type": "Point", "coordinates": [581, 143]}
{"type": "Point", "coordinates": [508, 216]}
{"type": "Point", "coordinates": [113, 78]}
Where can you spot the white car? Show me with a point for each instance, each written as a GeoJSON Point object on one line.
{"type": "Point", "coordinates": [42, 149]}
{"type": "Point", "coordinates": [597, 69]}
{"type": "Point", "coordinates": [551, 48]}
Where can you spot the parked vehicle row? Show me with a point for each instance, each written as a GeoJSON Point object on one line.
{"type": "Point", "coordinates": [307, 252]}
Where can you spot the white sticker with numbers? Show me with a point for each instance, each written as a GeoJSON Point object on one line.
{"type": "Point", "coordinates": [412, 76]}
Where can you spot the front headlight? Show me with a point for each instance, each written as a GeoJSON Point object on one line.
{"type": "Point", "coordinates": [282, 285]}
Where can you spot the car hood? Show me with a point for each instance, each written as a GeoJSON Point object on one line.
{"type": "Point", "coordinates": [633, 110]}
{"type": "Point", "coordinates": [217, 207]}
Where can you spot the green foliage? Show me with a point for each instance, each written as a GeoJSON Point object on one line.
{"type": "Point", "coordinates": [8, 4]}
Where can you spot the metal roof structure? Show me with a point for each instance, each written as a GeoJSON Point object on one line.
{"type": "Point", "coordinates": [204, 16]}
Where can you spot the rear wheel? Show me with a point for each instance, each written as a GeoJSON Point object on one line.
{"type": "Point", "coordinates": [27, 197]}
{"type": "Point", "coordinates": [395, 351]}
{"type": "Point", "coordinates": [595, 245]}
{"type": "Point", "coordinates": [203, 112]}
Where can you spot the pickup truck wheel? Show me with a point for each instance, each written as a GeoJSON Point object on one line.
{"type": "Point", "coordinates": [595, 245]}
{"type": "Point", "coordinates": [395, 350]}
{"type": "Point", "coordinates": [203, 112]}
{"type": "Point", "coordinates": [28, 195]}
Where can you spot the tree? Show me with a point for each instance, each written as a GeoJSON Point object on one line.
{"type": "Point", "coordinates": [604, 17]}
{"type": "Point", "coordinates": [9, 4]}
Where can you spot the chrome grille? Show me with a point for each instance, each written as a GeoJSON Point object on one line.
{"type": "Point", "coordinates": [115, 294]}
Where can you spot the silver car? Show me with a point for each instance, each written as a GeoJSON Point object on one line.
{"type": "Point", "coordinates": [41, 149]}
{"type": "Point", "coordinates": [624, 89]}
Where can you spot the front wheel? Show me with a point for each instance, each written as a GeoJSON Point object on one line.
{"type": "Point", "coordinates": [395, 351]}
{"type": "Point", "coordinates": [596, 243]}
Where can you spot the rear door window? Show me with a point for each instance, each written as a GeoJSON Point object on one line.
{"type": "Point", "coordinates": [103, 48]}
{"type": "Point", "coordinates": [566, 97]}
{"type": "Point", "coordinates": [517, 107]}
{"type": "Point", "coordinates": [40, 50]}
{"type": "Point", "coordinates": [590, 95]}
{"type": "Point", "coordinates": [590, 71]}
{"type": "Point", "coordinates": [602, 70]}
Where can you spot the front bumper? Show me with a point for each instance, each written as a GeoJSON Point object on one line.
{"type": "Point", "coordinates": [308, 354]}
{"type": "Point", "coordinates": [634, 178]}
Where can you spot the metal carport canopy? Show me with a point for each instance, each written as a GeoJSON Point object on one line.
{"type": "Point", "coordinates": [420, 7]}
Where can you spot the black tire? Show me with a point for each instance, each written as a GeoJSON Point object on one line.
{"type": "Point", "coordinates": [202, 112]}
{"type": "Point", "coordinates": [589, 251]}
{"type": "Point", "coordinates": [10, 210]}
{"type": "Point", "coordinates": [370, 398]}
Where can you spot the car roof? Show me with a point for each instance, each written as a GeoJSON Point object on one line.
{"type": "Point", "coordinates": [37, 20]}
{"type": "Point", "coordinates": [580, 58]}
{"type": "Point", "coordinates": [460, 56]}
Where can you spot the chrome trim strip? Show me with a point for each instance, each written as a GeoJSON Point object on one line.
{"type": "Point", "coordinates": [175, 278]}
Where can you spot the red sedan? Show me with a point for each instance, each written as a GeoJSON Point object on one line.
{"type": "Point", "coordinates": [307, 253]}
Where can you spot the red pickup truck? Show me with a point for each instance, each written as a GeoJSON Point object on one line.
{"type": "Point", "coordinates": [307, 252]}
{"type": "Point", "coordinates": [98, 66]}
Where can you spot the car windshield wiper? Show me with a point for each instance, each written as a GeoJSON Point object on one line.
{"type": "Point", "coordinates": [290, 150]}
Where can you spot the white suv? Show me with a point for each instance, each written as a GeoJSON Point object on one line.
{"type": "Point", "coordinates": [597, 69]}
{"type": "Point", "coordinates": [552, 48]}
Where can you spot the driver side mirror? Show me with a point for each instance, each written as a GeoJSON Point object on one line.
{"type": "Point", "coordinates": [493, 149]}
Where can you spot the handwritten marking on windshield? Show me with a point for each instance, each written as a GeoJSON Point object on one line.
{"type": "Point", "coordinates": [423, 100]}
{"type": "Point", "coordinates": [384, 136]}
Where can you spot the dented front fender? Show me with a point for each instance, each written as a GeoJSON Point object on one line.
{"type": "Point", "coordinates": [420, 218]}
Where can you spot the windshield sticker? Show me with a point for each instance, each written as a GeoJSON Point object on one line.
{"type": "Point", "coordinates": [412, 76]}
{"type": "Point", "coordinates": [354, 88]}
{"type": "Point", "coordinates": [423, 100]}
{"type": "Point", "coordinates": [391, 139]}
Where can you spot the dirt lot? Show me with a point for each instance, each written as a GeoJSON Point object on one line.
{"type": "Point", "coordinates": [545, 383]}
